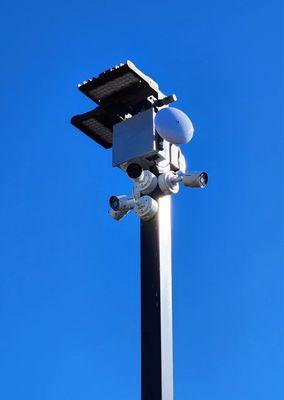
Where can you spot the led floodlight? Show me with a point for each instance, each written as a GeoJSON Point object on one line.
{"type": "Point", "coordinates": [98, 125]}
{"type": "Point", "coordinates": [122, 88]}
{"type": "Point", "coordinates": [121, 92]}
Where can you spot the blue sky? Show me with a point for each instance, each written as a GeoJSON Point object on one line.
{"type": "Point", "coordinates": [69, 275]}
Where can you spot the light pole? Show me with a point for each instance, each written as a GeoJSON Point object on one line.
{"type": "Point", "coordinates": [135, 120]}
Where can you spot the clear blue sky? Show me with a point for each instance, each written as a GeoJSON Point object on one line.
{"type": "Point", "coordinates": [69, 276]}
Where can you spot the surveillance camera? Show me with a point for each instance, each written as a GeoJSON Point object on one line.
{"type": "Point", "coordinates": [145, 180]}
{"type": "Point", "coordinates": [195, 179]}
{"type": "Point", "coordinates": [117, 215]}
{"type": "Point", "coordinates": [122, 203]}
{"type": "Point", "coordinates": [146, 208]}
{"type": "Point", "coordinates": [134, 170]}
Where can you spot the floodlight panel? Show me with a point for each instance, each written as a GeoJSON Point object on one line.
{"type": "Point", "coordinates": [124, 85]}
{"type": "Point", "coordinates": [113, 86]}
{"type": "Point", "coordinates": [97, 124]}
{"type": "Point", "coordinates": [99, 129]}
{"type": "Point", "coordinates": [121, 93]}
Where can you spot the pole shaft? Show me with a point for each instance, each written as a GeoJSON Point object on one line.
{"type": "Point", "coordinates": [156, 305]}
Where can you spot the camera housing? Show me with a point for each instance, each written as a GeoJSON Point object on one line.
{"type": "Point", "coordinates": [145, 207]}
{"type": "Point", "coordinates": [145, 181]}
{"type": "Point", "coordinates": [195, 179]}
{"type": "Point", "coordinates": [121, 203]}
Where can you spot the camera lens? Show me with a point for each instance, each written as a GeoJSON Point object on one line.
{"type": "Point", "coordinates": [114, 203]}
{"type": "Point", "coordinates": [134, 170]}
{"type": "Point", "coordinates": [203, 179]}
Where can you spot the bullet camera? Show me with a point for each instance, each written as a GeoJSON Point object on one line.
{"type": "Point", "coordinates": [122, 203]}
{"type": "Point", "coordinates": [144, 207]}
{"type": "Point", "coordinates": [134, 171]}
{"type": "Point", "coordinates": [195, 179]}
{"type": "Point", "coordinates": [145, 180]}
{"type": "Point", "coordinates": [169, 181]}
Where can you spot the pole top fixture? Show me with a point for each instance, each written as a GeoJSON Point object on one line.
{"type": "Point", "coordinates": [135, 119]}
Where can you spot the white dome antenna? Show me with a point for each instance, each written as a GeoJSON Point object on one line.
{"type": "Point", "coordinates": [174, 125]}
